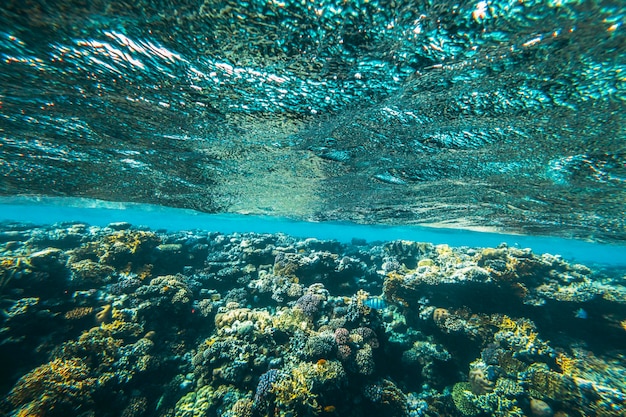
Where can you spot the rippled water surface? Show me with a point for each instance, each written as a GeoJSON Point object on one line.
{"type": "Point", "coordinates": [499, 114]}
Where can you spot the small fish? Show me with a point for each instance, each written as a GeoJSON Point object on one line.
{"type": "Point", "coordinates": [580, 314]}
{"type": "Point", "coordinates": [377, 303]}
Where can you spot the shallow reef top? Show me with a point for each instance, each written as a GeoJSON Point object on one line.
{"type": "Point", "coordinates": [501, 114]}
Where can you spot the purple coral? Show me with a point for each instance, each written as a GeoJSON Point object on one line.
{"type": "Point", "coordinates": [125, 286]}
{"type": "Point", "coordinates": [368, 335]}
{"type": "Point", "coordinates": [264, 386]}
{"type": "Point", "coordinates": [344, 352]}
{"type": "Point", "coordinates": [309, 304]}
{"type": "Point", "coordinates": [342, 336]}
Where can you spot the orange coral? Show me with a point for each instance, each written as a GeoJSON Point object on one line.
{"type": "Point", "coordinates": [60, 384]}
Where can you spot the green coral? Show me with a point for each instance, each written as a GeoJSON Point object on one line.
{"type": "Point", "coordinates": [462, 397]}
{"type": "Point", "coordinates": [502, 401]}
{"type": "Point", "coordinates": [196, 403]}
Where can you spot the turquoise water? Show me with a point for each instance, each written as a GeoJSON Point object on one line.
{"type": "Point", "coordinates": [100, 213]}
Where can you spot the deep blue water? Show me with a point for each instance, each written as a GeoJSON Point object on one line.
{"type": "Point", "coordinates": [100, 213]}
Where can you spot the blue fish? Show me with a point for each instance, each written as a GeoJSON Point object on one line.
{"type": "Point", "coordinates": [377, 303]}
{"type": "Point", "coordinates": [581, 314]}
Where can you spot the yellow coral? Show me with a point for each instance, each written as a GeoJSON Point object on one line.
{"type": "Point", "coordinates": [291, 320]}
{"type": "Point", "coordinates": [104, 315]}
{"type": "Point", "coordinates": [298, 391]}
{"type": "Point", "coordinates": [392, 285]}
{"type": "Point", "coordinates": [133, 240]}
{"type": "Point", "coordinates": [209, 342]}
{"type": "Point", "coordinates": [78, 313]}
{"type": "Point", "coordinates": [524, 331]}
{"type": "Point", "coordinates": [9, 266]}
{"type": "Point", "coordinates": [195, 403]}
{"type": "Point", "coordinates": [511, 364]}
{"type": "Point", "coordinates": [566, 364]}
{"type": "Point", "coordinates": [443, 249]}
{"type": "Point", "coordinates": [512, 264]}
{"type": "Point", "coordinates": [54, 384]}
{"type": "Point", "coordinates": [294, 391]}
{"type": "Point", "coordinates": [508, 324]}
{"type": "Point", "coordinates": [122, 329]}
{"type": "Point", "coordinates": [244, 407]}
{"type": "Point", "coordinates": [144, 271]}
{"type": "Point", "coordinates": [425, 262]}
{"type": "Point", "coordinates": [493, 253]}
{"type": "Point", "coordinates": [89, 270]}
{"type": "Point", "coordinates": [543, 383]}
{"type": "Point", "coordinates": [124, 248]}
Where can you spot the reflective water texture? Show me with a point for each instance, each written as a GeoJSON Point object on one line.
{"type": "Point", "coordinates": [491, 114]}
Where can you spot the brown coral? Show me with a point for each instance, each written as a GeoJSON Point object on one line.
{"type": "Point", "coordinates": [78, 313]}
{"type": "Point", "coordinates": [244, 407]}
{"type": "Point", "coordinates": [90, 272]}
{"type": "Point", "coordinates": [440, 315]}
{"type": "Point", "coordinates": [478, 380]}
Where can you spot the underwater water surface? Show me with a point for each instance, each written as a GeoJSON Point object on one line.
{"type": "Point", "coordinates": [502, 114]}
{"type": "Point", "coordinates": [292, 208]}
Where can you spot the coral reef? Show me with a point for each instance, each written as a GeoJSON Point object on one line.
{"type": "Point", "coordinates": [56, 388]}
{"type": "Point", "coordinates": [123, 321]}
